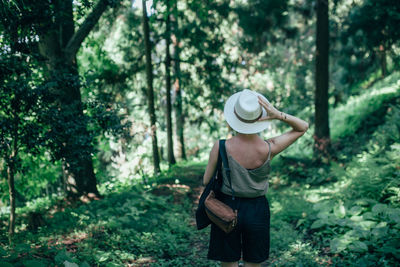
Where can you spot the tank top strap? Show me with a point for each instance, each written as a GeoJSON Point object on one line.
{"type": "Point", "coordinates": [269, 151]}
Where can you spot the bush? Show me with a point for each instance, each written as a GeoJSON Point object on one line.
{"type": "Point", "coordinates": [347, 118]}
{"type": "Point", "coordinates": [361, 229]}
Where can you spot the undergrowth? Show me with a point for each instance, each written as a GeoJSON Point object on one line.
{"type": "Point", "coordinates": [342, 213]}
{"type": "Point", "coordinates": [146, 226]}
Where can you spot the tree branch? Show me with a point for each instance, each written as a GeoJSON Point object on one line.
{"type": "Point", "coordinates": [76, 40]}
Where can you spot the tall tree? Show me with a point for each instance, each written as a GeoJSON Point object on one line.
{"type": "Point", "coordinates": [321, 134]}
{"type": "Point", "coordinates": [19, 127]}
{"type": "Point", "coordinates": [59, 44]}
{"type": "Point", "coordinates": [179, 118]}
{"type": "Point", "coordinates": [371, 30]}
{"type": "Point", "coordinates": [150, 90]}
{"type": "Point", "coordinates": [50, 28]}
{"type": "Point", "coordinates": [171, 157]}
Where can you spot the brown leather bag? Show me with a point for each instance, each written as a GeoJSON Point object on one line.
{"type": "Point", "coordinates": [220, 213]}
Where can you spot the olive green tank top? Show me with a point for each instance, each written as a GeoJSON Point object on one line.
{"type": "Point", "coordinates": [247, 183]}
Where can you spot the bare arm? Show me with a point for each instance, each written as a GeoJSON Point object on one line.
{"type": "Point", "coordinates": [299, 127]}
{"type": "Point", "coordinates": [212, 163]}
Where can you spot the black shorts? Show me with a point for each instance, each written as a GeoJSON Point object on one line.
{"type": "Point", "coordinates": [250, 239]}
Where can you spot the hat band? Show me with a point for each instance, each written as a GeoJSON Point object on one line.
{"type": "Point", "coordinates": [244, 120]}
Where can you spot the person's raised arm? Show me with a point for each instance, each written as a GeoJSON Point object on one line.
{"type": "Point", "coordinates": [212, 163]}
{"type": "Point", "coordinates": [299, 127]}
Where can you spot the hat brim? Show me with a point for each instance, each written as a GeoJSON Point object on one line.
{"type": "Point", "coordinates": [238, 125]}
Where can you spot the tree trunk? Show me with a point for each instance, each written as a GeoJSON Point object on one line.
{"type": "Point", "coordinates": [383, 62]}
{"type": "Point", "coordinates": [59, 44]}
{"type": "Point", "coordinates": [150, 90]}
{"type": "Point", "coordinates": [11, 190]}
{"type": "Point", "coordinates": [321, 135]}
{"type": "Point", "coordinates": [180, 119]}
{"type": "Point", "coordinates": [11, 161]}
{"type": "Point", "coordinates": [171, 157]}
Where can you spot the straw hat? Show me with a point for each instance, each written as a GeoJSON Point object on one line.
{"type": "Point", "coordinates": [242, 112]}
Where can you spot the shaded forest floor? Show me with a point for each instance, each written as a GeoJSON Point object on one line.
{"type": "Point", "coordinates": [138, 227]}
{"type": "Point", "coordinates": [342, 213]}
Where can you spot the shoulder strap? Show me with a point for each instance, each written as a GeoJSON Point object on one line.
{"type": "Point", "coordinates": [218, 168]}
{"type": "Point", "coordinates": [222, 151]}
{"type": "Point", "coordinates": [215, 179]}
{"type": "Point", "coordinates": [269, 151]}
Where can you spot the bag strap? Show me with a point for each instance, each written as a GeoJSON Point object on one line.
{"type": "Point", "coordinates": [214, 181]}
{"type": "Point", "coordinates": [222, 152]}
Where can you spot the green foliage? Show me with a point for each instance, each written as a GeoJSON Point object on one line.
{"type": "Point", "coordinates": [358, 228]}
{"type": "Point", "coordinates": [373, 24]}
{"type": "Point", "coordinates": [361, 220]}
{"type": "Point", "coordinates": [346, 119]}
{"type": "Point", "coordinates": [257, 18]}
{"type": "Point", "coordinates": [359, 116]}
{"type": "Point", "coordinates": [20, 129]}
{"type": "Point", "coordinates": [374, 173]}
{"type": "Point", "coordinates": [288, 247]}
{"type": "Point", "coordinates": [145, 227]}
{"type": "Point", "coordinates": [347, 210]}
{"type": "Point", "coordinates": [368, 40]}
{"type": "Point", "coordinates": [342, 213]}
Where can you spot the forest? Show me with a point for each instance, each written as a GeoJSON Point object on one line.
{"type": "Point", "coordinates": [109, 109]}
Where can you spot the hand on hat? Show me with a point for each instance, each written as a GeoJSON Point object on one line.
{"type": "Point", "coordinates": [272, 112]}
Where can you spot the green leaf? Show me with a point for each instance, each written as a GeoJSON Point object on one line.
{"type": "Point", "coordinates": [300, 222]}
{"type": "Point", "coordinates": [339, 211]}
{"type": "Point", "coordinates": [379, 208]}
{"type": "Point", "coordinates": [103, 258]}
{"type": "Point", "coordinates": [35, 263]}
{"type": "Point", "coordinates": [381, 224]}
{"type": "Point", "coordinates": [323, 206]}
{"type": "Point", "coordinates": [358, 246]}
{"type": "Point", "coordinates": [365, 201]}
{"type": "Point", "coordinates": [318, 224]}
{"type": "Point", "coordinates": [394, 215]}
{"type": "Point", "coordinates": [390, 250]}
{"type": "Point", "coordinates": [368, 216]}
{"type": "Point", "coordinates": [5, 264]}
{"type": "Point", "coordinates": [22, 248]}
{"type": "Point", "coordinates": [338, 244]}
{"type": "Point", "coordinates": [62, 256]}
{"type": "Point", "coordinates": [2, 252]}
{"type": "Point", "coordinates": [356, 218]}
{"type": "Point", "coordinates": [380, 232]}
{"type": "Point", "coordinates": [355, 210]}
{"type": "Point", "coordinates": [366, 225]}
{"type": "Point", "coordinates": [70, 264]}
{"type": "Point", "coordinates": [323, 214]}
{"type": "Point", "coordinates": [343, 222]}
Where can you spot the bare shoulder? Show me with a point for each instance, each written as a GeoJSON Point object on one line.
{"type": "Point", "coordinates": [216, 145]}
{"type": "Point", "coordinates": [215, 148]}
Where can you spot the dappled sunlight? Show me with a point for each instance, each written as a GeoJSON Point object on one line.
{"type": "Point", "coordinates": [326, 192]}
{"type": "Point", "coordinates": [109, 110]}
{"type": "Point", "coordinates": [347, 117]}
